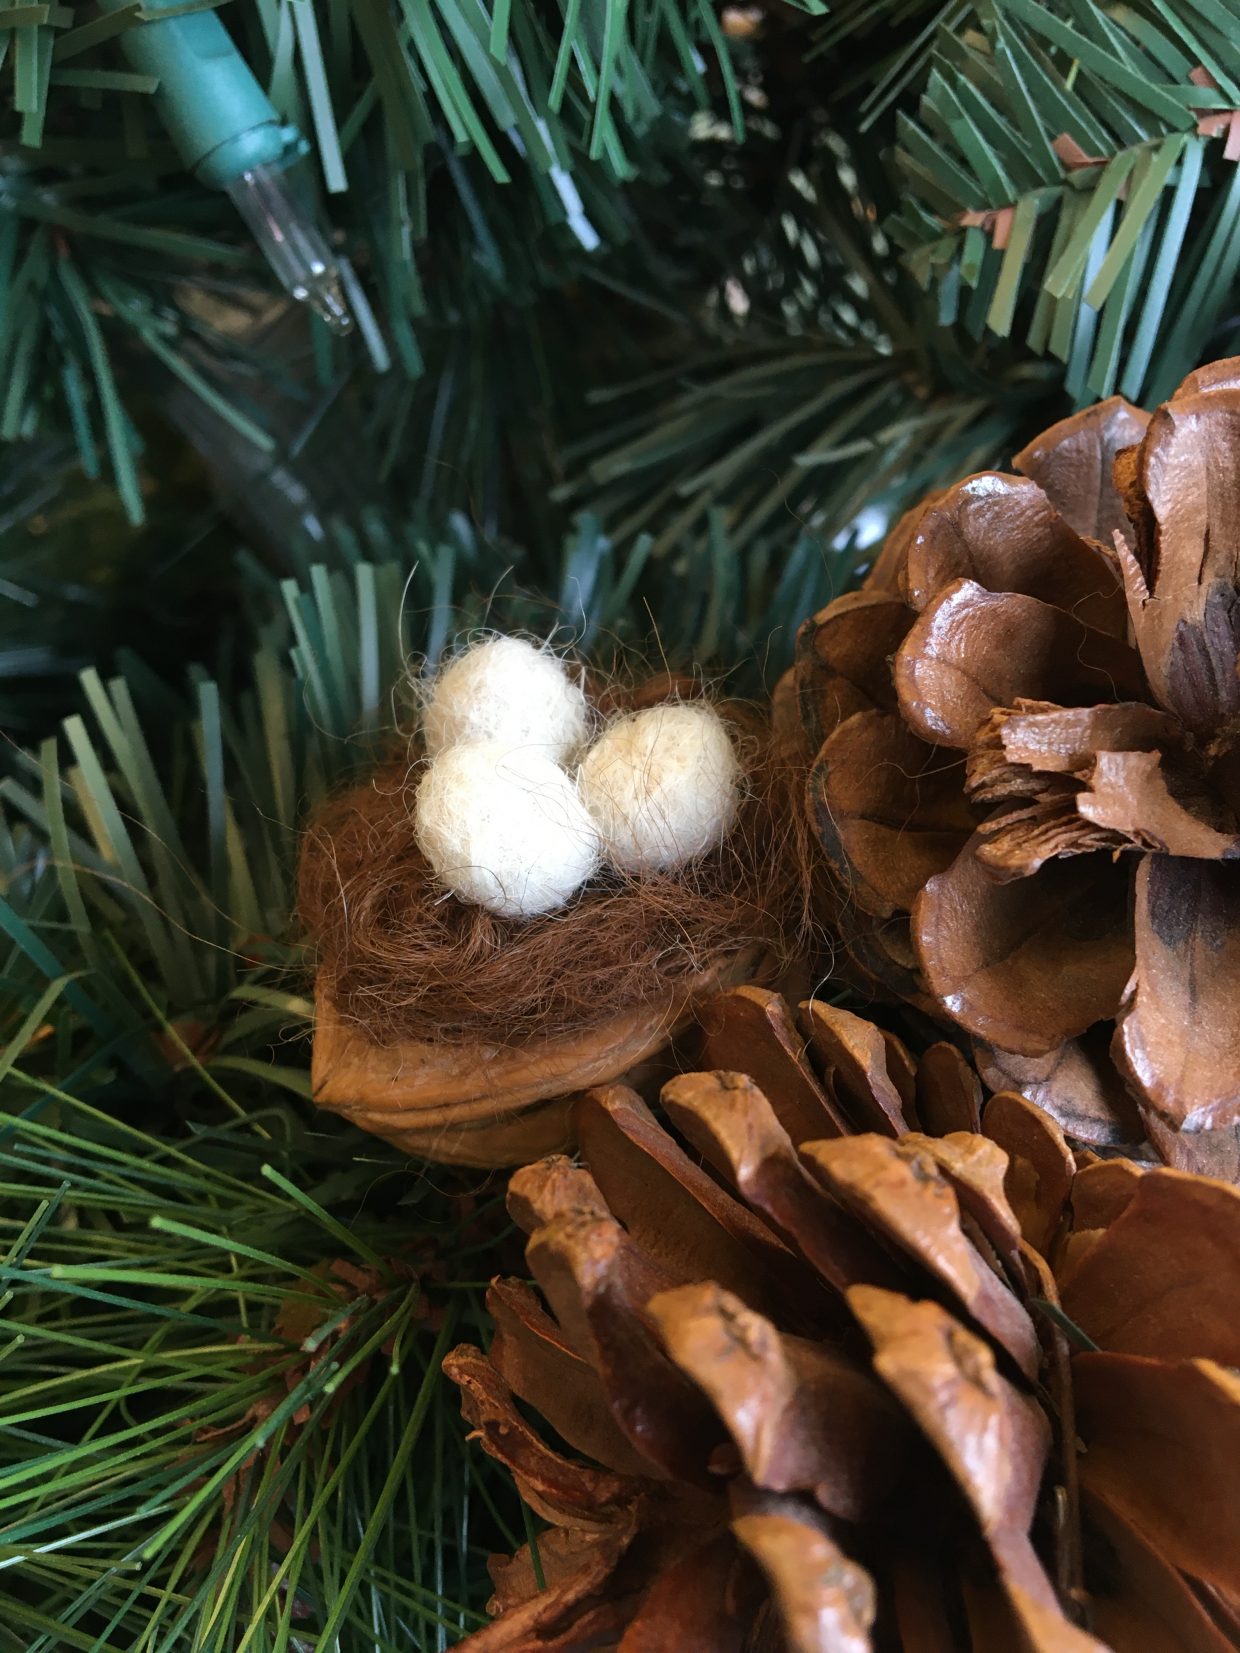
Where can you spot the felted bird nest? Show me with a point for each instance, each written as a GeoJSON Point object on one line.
{"type": "Point", "coordinates": [438, 1018]}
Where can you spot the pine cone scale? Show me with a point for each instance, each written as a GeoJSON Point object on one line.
{"type": "Point", "coordinates": [867, 1067]}
{"type": "Point", "coordinates": [1041, 1171]}
{"type": "Point", "coordinates": [1076, 1084]}
{"type": "Point", "coordinates": [751, 1031]}
{"type": "Point", "coordinates": [583, 1278]}
{"type": "Point", "coordinates": [1003, 533]}
{"type": "Point", "coordinates": [949, 1097]}
{"type": "Point", "coordinates": [1188, 622]}
{"type": "Point", "coordinates": [673, 1209]}
{"type": "Point", "coordinates": [993, 1439]}
{"type": "Point", "coordinates": [734, 1127]}
{"type": "Point", "coordinates": [693, 1604]}
{"type": "Point", "coordinates": [565, 1491]}
{"type": "Point", "coordinates": [972, 650]}
{"type": "Point", "coordinates": [1159, 1280]}
{"type": "Point", "coordinates": [1145, 1419]}
{"type": "Point", "coordinates": [901, 1193]}
{"type": "Point", "coordinates": [980, 1175]}
{"type": "Point", "coordinates": [538, 1364]}
{"type": "Point", "coordinates": [829, 1600]}
{"type": "Point", "coordinates": [1178, 1036]}
{"type": "Point", "coordinates": [1074, 465]}
{"type": "Point", "coordinates": [1027, 963]}
{"type": "Point", "coordinates": [803, 1416]}
{"type": "Point", "coordinates": [843, 654]}
{"type": "Point", "coordinates": [1151, 1603]}
{"type": "Point", "coordinates": [888, 808]}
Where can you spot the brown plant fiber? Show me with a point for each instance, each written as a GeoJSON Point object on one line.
{"type": "Point", "coordinates": [404, 961]}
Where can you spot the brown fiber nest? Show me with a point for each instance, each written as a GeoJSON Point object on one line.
{"type": "Point", "coordinates": [402, 960]}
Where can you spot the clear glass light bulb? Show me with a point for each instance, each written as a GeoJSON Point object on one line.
{"type": "Point", "coordinates": [291, 243]}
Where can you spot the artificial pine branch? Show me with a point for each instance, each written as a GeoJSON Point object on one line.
{"type": "Point", "coordinates": [817, 386]}
{"type": "Point", "coordinates": [223, 1417]}
{"type": "Point", "coordinates": [1071, 180]}
{"type": "Point", "coordinates": [457, 239]}
{"type": "Point", "coordinates": [467, 161]}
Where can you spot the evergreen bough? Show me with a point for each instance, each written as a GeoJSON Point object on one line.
{"type": "Point", "coordinates": [676, 305]}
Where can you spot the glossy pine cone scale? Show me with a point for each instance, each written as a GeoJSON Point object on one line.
{"type": "Point", "coordinates": [802, 1391]}
{"type": "Point", "coordinates": [1027, 774]}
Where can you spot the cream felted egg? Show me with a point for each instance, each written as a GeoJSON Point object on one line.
{"type": "Point", "coordinates": [508, 690]}
{"type": "Point", "coordinates": [663, 786]}
{"type": "Point", "coordinates": [504, 828]}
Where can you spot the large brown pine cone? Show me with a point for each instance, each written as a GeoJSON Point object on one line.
{"type": "Point", "coordinates": [1027, 781]}
{"type": "Point", "coordinates": [811, 1392]}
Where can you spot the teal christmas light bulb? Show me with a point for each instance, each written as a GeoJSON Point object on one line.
{"type": "Point", "coordinates": [229, 135]}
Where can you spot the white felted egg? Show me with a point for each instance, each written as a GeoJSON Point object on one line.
{"type": "Point", "coordinates": [663, 786]}
{"type": "Point", "coordinates": [504, 828]}
{"type": "Point", "coordinates": [509, 690]}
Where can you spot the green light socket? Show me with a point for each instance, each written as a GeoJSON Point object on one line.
{"type": "Point", "coordinates": [218, 116]}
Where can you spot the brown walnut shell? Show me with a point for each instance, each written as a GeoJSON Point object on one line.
{"type": "Point", "coordinates": [488, 1104]}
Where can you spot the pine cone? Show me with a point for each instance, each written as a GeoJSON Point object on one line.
{"type": "Point", "coordinates": [824, 1386]}
{"type": "Point", "coordinates": [1027, 782]}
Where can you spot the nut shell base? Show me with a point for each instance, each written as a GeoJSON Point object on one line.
{"type": "Point", "coordinates": [480, 1104]}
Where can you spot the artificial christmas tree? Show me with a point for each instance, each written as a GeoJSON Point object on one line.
{"type": "Point", "coordinates": [663, 312]}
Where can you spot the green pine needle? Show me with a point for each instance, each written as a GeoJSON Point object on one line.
{"type": "Point", "coordinates": [208, 1436]}
{"type": "Point", "coordinates": [1074, 235]}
